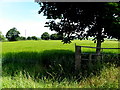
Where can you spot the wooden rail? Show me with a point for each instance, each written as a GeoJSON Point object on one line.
{"type": "Point", "coordinates": [78, 55]}
{"type": "Point", "coordinates": [96, 47]}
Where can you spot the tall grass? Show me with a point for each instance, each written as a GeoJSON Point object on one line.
{"type": "Point", "coordinates": [0, 64]}
{"type": "Point", "coordinates": [50, 64]}
{"type": "Point", "coordinates": [108, 78]}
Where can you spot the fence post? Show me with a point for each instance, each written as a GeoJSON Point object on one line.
{"type": "Point", "coordinates": [90, 58]}
{"type": "Point", "coordinates": [77, 58]}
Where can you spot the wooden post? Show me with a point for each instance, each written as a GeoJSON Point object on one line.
{"type": "Point", "coordinates": [90, 58]}
{"type": "Point", "coordinates": [118, 56]}
{"type": "Point", "coordinates": [77, 58]}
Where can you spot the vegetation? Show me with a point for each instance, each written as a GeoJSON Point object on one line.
{"type": "Point", "coordinates": [50, 64]}
{"type": "Point", "coordinates": [45, 36]}
{"type": "Point", "coordinates": [101, 19]}
{"type": "Point", "coordinates": [29, 38]}
{"type": "Point", "coordinates": [56, 36]}
{"type": "Point", "coordinates": [34, 38]}
{"type": "Point", "coordinates": [45, 64]}
{"type": "Point", "coordinates": [2, 38]}
{"type": "Point", "coordinates": [22, 38]}
{"type": "Point", "coordinates": [12, 34]}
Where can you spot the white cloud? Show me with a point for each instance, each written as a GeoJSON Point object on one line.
{"type": "Point", "coordinates": [32, 28]}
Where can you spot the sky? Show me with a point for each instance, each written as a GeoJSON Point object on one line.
{"type": "Point", "coordinates": [22, 14]}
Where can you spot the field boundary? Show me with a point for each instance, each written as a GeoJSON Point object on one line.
{"type": "Point", "coordinates": [95, 47]}
{"type": "Point", "coordinates": [79, 55]}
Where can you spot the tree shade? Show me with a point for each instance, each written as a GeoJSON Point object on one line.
{"type": "Point", "coordinates": [101, 19]}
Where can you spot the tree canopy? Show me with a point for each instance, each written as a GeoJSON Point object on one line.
{"type": "Point", "coordinates": [34, 38]}
{"type": "Point", "coordinates": [45, 36]}
{"type": "Point", "coordinates": [12, 34]}
{"type": "Point", "coordinates": [101, 19]}
{"type": "Point", "coordinates": [22, 38]}
{"type": "Point", "coordinates": [29, 38]}
{"type": "Point", "coordinates": [56, 36]}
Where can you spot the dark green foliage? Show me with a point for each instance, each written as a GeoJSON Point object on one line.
{"type": "Point", "coordinates": [75, 17]}
{"type": "Point", "coordinates": [56, 37]}
{"type": "Point", "coordinates": [45, 36]}
{"type": "Point", "coordinates": [22, 38]}
{"type": "Point", "coordinates": [34, 38]}
{"type": "Point", "coordinates": [53, 37]}
{"type": "Point", "coordinates": [101, 19]}
{"type": "Point", "coordinates": [2, 38]}
{"type": "Point", "coordinates": [29, 38]}
{"type": "Point", "coordinates": [12, 34]}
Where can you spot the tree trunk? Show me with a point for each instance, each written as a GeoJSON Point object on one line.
{"type": "Point", "coordinates": [98, 49]}
{"type": "Point", "coordinates": [99, 46]}
{"type": "Point", "coordinates": [99, 35]}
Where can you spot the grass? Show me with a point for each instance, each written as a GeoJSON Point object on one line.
{"type": "Point", "coordinates": [107, 79]}
{"type": "Point", "coordinates": [50, 64]}
{"type": "Point", "coordinates": [40, 46]}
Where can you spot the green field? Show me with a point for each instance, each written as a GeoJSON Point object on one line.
{"type": "Point", "coordinates": [50, 64]}
{"type": "Point", "coordinates": [40, 46]}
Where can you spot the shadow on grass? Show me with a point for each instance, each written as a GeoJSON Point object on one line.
{"type": "Point", "coordinates": [38, 64]}
{"type": "Point", "coordinates": [55, 64]}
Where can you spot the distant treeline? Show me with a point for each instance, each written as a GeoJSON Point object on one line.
{"type": "Point", "coordinates": [14, 35]}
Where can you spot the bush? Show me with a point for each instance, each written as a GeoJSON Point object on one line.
{"type": "Point", "coordinates": [34, 38]}
{"type": "Point", "coordinates": [22, 38]}
{"type": "Point", "coordinates": [29, 38]}
{"type": "Point", "coordinates": [45, 36]}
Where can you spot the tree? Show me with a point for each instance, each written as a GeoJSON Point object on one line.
{"type": "Point", "coordinates": [12, 34]}
{"type": "Point", "coordinates": [45, 36]}
{"type": "Point", "coordinates": [101, 19]}
{"type": "Point", "coordinates": [29, 38]}
{"type": "Point", "coordinates": [60, 36]}
{"type": "Point", "coordinates": [53, 36]}
{"type": "Point", "coordinates": [56, 36]}
{"type": "Point", "coordinates": [2, 38]}
{"type": "Point", "coordinates": [34, 38]}
{"type": "Point", "coordinates": [22, 38]}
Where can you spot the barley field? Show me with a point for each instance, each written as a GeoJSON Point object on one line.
{"type": "Point", "coordinates": [50, 64]}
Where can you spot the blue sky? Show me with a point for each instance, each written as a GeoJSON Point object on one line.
{"type": "Point", "coordinates": [22, 14]}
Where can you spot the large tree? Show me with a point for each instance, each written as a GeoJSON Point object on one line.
{"type": "Point", "coordinates": [45, 36]}
{"type": "Point", "coordinates": [12, 34]}
{"type": "Point", "coordinates": [101, 20]}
